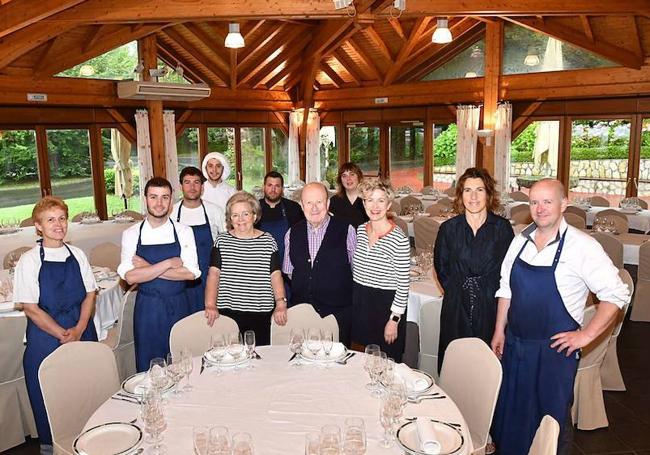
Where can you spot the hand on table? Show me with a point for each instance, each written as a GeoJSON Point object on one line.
{"type": "Point", "coordinates": [390, 332]}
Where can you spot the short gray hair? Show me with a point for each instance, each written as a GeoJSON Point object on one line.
{"type": "Point", "coordinates": [243, 196]}
{"type": "Point", "coordinates": [367, 186]}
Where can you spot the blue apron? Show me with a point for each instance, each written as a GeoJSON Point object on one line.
{"type": "Point", "coordinates": [160, 303]}
{"type": "Point", "coordinates": [61, 292]}
{"type": "Point", "coordinates": [537, 380]}
{"type": "Point", "coordinates": [204, 242]}
{"type": "Point", "coordinates": [278, 230]}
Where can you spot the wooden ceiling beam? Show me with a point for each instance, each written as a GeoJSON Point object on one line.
{"type": "Point", "coordinates": [394, 22]}
{"type": "Point", "coordinates": [368, 62]}
{"type": "Point", "coordinates": [606, 50]}
{"type": "Point", "coordinates": [94, 34]}
{"type": "Point", "coordinates": [257, 46]}
{"type": "Point", "coordinates": [290, 68]}
{"type": "Point", "coordinates": [181, 119]}
{"type": "Point", "coordinates": [197, 33]}
{"type": "Point", "coordinates": [20, 14]}
{"type": "Point", "coordinates": [29, 38]}
{"type": "Point", "coordinates": [586, 25]}
{"type": "Point", "coordinates": [127, 128]}
{"type": "Point", "coordinates": [248, 32]}
{"type": "Point", "coordinates": [374, 37]}
{"type": "Point", "coordinates": [171, 58]}
{"type": "Point", "coordinates": [292, 48]}
{"type": "Point", "coordinates": [335, 78]}
{"type": "Point", "coordinates": [233, 69]}
{"type": "Point", "coordinates": [349, 65]}
{"type": "Point", "coordinates": [202, 57]}
{"type": "Point", "coordinates": [519, 122]}
{"type": "Point", "coordinates": [419, 26]}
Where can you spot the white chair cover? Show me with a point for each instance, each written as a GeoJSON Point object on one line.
{"type": "Point", "coordinates": [641, 302]}
{"type": "Point", "coordinates": [106, 254]}
{"type": "Point", "coordinates": [612, 246]}
{"type": "Point", "coordinates": [16, 418]}
{"type": "Point", "coordinates": [435, 209]}
{"type": "Point", "coordinates": [599, 201]}
{"type": "Point", "coordinates": [120, 336]}
{"type": "Point", "coordinates": [471, 376]}
{"type": "Point", "coordinates": [193, 332]}
{"type": "Point", "coordinates": [75, 380]}
{"type": "Point", "coordinates": [425, 231]}
{"type": "Point", "coordinates": [409, 201]}
{"type": "Point", "coordinates": [429, 330]}
{"type": "Point", "coordinates": [520, 214]}
{"type": "Point", "coordinates": [302, 316]}
{"type": "Point", "coordinates": [17, 252]}
{"type": "Point", "coordinates": [519, 196]}
{"type": "Point", "coordinates": [619, 219]}
{"type": "Point", "coordinates": [402, 225]}
{"type": "Point", "coordinates": [575, 220]}
{"type": "Point", "coordinates": [27, 222]}
{"type": "Point", "coordinates": [577, 211]}
{"type": "Point", "coordinates": [446, 202]}
{"type": "Point", "coordinates": [545, 441]}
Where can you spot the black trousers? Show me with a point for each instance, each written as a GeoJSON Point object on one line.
{"type": "Point", "coordinates": [259, 322]}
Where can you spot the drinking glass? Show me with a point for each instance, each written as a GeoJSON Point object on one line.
{"type": "Point", "coordinates": [388, 373]}
{"type": "Point", "coordinates": [312, 443]}
{"type": "Point", "coordinates": [327, 339]}
{"type": "Point", "coordinates": [377, 368]}
{"type": "Point", "coordinates": [153, 418]}
{"type": "Point", "coordinates": [188, 366]}
{"type": "Point", "coordinates": [249, 342]}
{"type": "Point", "coordinates": [175, 372]}
{"type": "Point", "coordinates": [218, 349]}
{"type": "Point", "coordinates": [242, 444]}
{"type": "Point", "coordinates": [201, 438]}
{"type": "Point", "coordinates": [296, 342]}
{"type": "Point", "coordinates": [330, 440]}
{"type": "Point", "coordinates": [371, 351]}
{"type": "Point", "coordinates": [390, 409]}
{"type": "Point", "coordinates": [313, 341]}
{"type": "Point", "coordinates": [220, 441]}
{"type": "Point", "coordinates": [157, 373]}
{"type": "Point", "coordinates": [236, 346]}
{"type": "Point", "coordinates": [354, 436]}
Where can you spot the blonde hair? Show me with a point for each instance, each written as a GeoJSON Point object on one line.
{"type": "Point", "coordinates": [45, 204]}
{"type": "Point", "coordinates": [243, 196]}
{"type": "Point", "coordinates": [367, 186]}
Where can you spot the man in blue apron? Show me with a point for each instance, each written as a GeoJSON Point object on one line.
{"type": "Point", "coordinates": [159, 255]}
{"type": "Point", "coordinates": [545, 279]}
{"type": "Point", "coordinates": [206, 220]}
{"type": "Point", "coordinates": [278, 215]}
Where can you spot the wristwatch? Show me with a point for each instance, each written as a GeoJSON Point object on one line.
{"type": "Point", "coordinates": [281, 299]}
{"type": "Point", "coordinates": [395, 317]}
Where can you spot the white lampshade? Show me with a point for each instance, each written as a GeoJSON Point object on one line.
{"type": "Point", "coordinates": [532, 59]}
{"type": "Point", "coordinates": [470, 74]}
{"type": "Point", "coordinates": [234, 40]}
{"type": "Point", "coordinates": [86, 70]}
{"type": "Point", "coordinates": [442, 34]}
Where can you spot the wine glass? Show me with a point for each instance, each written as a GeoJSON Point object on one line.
{"type": "Point", "coordinates": [249, 342]}
{"type": "Point", "coordinates": [157, 373]}
{"type": "Point", "coordinates": [314, 343]}
{"type": "Point", "coordinates": [390, 409]}
{"type": "Point", "coordinates": [175, 371]}
{"type": "Point", "coordinates": [312, 443]}
{"type": "Point", "coordinates": [330, 440]}
{"type": "Point", "coordinates": [354, 436]}
{"type": "Point", "coordinates": [188, 366]}
{"type": "Point", "coordinates": [201, 439]}
{"type": "Point", "coordinates": [153, 417]}
{"type": "Point", "coordinates": [236, 346]}
{"type": "Point", "coordinates": [218, 349]}
{"type": "Point", "coordinates": [242, 444]}
{"type": "Point", "coordinates": [371, 351]}
{"type": "Point", "coordinates": [220, 441]}
{"type": "Point", "coordinates": [376, 371]}
{"type": "Point", "coordinates": [296, 341]}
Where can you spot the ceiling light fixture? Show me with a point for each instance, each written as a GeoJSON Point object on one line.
{"type": "Point", "coordinates": [532, 59]}
{"type": "Point", "coordinates": [470, 74]}
{"type": "Point", "coordinates": [340, 4]}
{"type": "Point", "coordinates": [442, 34]}
{"type": "Point", "coordinates": [86, 70]}
{"type": "Point", "coordinates": [234, 40]}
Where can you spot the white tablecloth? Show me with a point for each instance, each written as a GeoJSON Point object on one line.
{"type": "Point", "coordinates": [278, 404]}
{"type": "Point", "coordinates": [638, 221]}
{"type": "Point", "coordinates": [84, 236]}
{"type": "Point", "coordinates": [422, 292]}
{"type": "Point", "coordinates": [427, 201]}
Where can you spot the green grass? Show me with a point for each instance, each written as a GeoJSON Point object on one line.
{"type": "Point", "coordinates": [75, 205]}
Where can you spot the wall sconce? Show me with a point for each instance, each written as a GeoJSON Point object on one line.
{"type": "Point", "coordinates": [485, 136]}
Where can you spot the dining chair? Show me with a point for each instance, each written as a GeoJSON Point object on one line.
{"type": "Point", "coordinates": [403, 225]}
{"type": "Point", "coordinates": [429, 331]}
{"type": "Point", "coordinates": [27, 222]}
{"type": "Point", "coordinates": [445, 202]}
{"type": "Point", "coordinates": [471, 376]}
{"type": "Point", "coordinates": [520, 214]}
{"type": "Point", "coordinates": [577, 211]}
{"type": "Point", "coordinates": [106, 254]}
{"type": "Point", "coordinates": [194, 333]}
{"type": "Point", "coordinates": [519, 196]}
{"type": "Point", "coordinates": [14, 255]}
{"type": "Point", "coordinates": [137, 216]}
{"type": "Point", "coordinates": [14, 402]}
{"type": "Point", "coordinates": [395, 207]}
{"type": "Point", "coordinates": [575, 220]}
{"type": "Point", "coordinates": [302, 316]}
{"type": "Point", "coordinates": [451, 191]}
{"type": "Point", "coordinates": [612, 246]}
{"type": "Point", "coordinates": [435, 209]}
{"type": "Point", "coordinates": [425, 231]}
{"type": "Point", "coordinates": [409, 201]}
{"type": "Point", "coordinates": [546, 436]}
{"type": "Point", "coordinates": [588, 410]}
{"type": "Point", "coordinates": [641, 303]}
{"type": "Point", "coordinates": [120, 336]}
{"type": "Point", "coordinates": [598, 201]}
{"type": "Point", "coordinates": [428, 189]}
{"type": "Point", "coordinates": [75, 380]}
{"type": "Point", "coordinates": [619, 219]}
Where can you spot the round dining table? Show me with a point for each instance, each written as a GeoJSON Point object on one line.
{"type": "Point", "coordinates": [278, 403]}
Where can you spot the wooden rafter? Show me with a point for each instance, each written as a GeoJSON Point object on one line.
{"type": "Point", "coordinates": [95, 33]}
{"type": "Point", "coordinates": [17, 15]}
{"type": "Point", "coordinates": [181, 120]}
{"type": "Point", "coordinates": [586, 25]}
{"type": "Point", "coordinates": [194, 67]}
{"type": "Point", "coordinates": [43, 57]}
{"type": "Point", "coordinates": [248, 58]}
{"type": "Point", "coordinates": [349, 65]}
{"type": "Point", "coordinates": [374, 37]}
{"type": "Point", "coordinates": [637, 45]}
{"type": "Point", "coordinates": [126, 128]}
{"type": "Point", "coordinates": [248, 31]}
{"type": "Point", "coordinates": [291, 49]}
{"type": "Point", "coordinates": [606, 50]}
{"type": "Point", "coordinates": [367, 61]}
{"type": "Point", "coordinates": [233, 69]}
{"type": "Point", "coordinates": [199, 34]}
{"type": "Point", "coordinates": [394, 22]}
{"type": "Point", "coordinates": [520, 122]}
{"type": "Point", "coordinates": [289, 68]}
{"type": "Point", "coordinates": [207, 59]}
{"type": "Point", "coordinates": [172, 59]}
{"type": "Point", "coordinates": [28, 39]}
{"type": "Point", "coordinates": [284, 122]}
{"type": "Point", "coordinates": [335, 78]}
{"type": "Point", "coordinates": [419, 26]}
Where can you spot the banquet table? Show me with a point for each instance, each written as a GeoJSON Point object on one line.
{"type": "Point", "coordinates": [84, 236]}
{"type": "Point", "coordinates": [427, 200]}
{"type": "Point", "coordinates": [639, 221]}
{"type": "Point", "coordinates": [277, 403]}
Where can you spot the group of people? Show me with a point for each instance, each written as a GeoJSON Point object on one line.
{"type": "Point", "coordinates": [224, 252]}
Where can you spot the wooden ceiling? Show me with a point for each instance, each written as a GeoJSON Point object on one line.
{"type": "Point", "coordinates": [302, 44]}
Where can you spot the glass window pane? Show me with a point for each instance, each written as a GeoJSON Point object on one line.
{"type": "Point", "coordinates": [280, 152]}
{"type": "Point", "coordinates": [70, 171]}
{"type": "Point", "coordinates": [120, 167]}
{"type": "Point", "coordinates": [19, 185]}
{"type": "Point", "coordinates": [644, 167]}
{"type": "Point", "coordinates": [468, 63]}
{"type": "Point", "coordinates": [329, 154]}
{"type": "Point", "coordinates": [406, 156]}
{"type": "Point", "coordinates": [444, 155]}
{"type": "Point", "coordinates": [222, 140]}
{"type": "Point", "coordinates": [525, 51]}
{"type": "Point", "coordinates": [117, 64]}
{"type": "Point", "coordinates": [533, 154]}
{"type": "Point", "coordinates": [187, 148]}
{"type": "Point", "coordinates": [599, 159]}
{"type": "Point", "coordinates": [252, 157]}
{"type": "Point", "coordinates": [364, 148]}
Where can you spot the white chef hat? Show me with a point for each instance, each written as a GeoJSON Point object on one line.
{"type": "Point", "coordinates": [224, 162]}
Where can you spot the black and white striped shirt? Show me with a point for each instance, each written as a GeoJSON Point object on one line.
{"type": "Point", "coordinates": [384, 266]}
{"type": "Point", "coordinates": [245, 271]}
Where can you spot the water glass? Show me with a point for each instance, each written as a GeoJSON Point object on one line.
{"type": "Point", "coordinates": [354, 436]}
{"type": "Point", "coordinates": [330, 440]}
{"type": "Point", "coordinates": [218, 349]}
{"type": "Point", "coordinates": [175, 371]}
{"type": "Point", "coordinates": [158, 373]}
{"type": "Point", "coordinates": [313, 341]}
{"type": "Point", "coordinates": [249, 342]}
{"type": "Point", "coordinates": [201, 439]}
{"type": "Point", "coordinates": [327, 339]}
{"type": "Point", "coordinates": [236, 346]}
{"type": "Point", "coordinates": [153, 418]}
{"type": "Point", "coordinates": [390, 410]}
{"type": "Point", "coordinates": [312, 444]}
{"type": "Point", "coordinates": [220, 441]}
{"type": "Point", "coordinates": [377, 368]}
{"type": "Point", "coordinates": [371, 351]}
{"type": "Point", "coordinates": [242, 444]}
{"type": "Point", "coordinates": [188, 366]}
{"type": "Point", "coordinates": [296, 342]}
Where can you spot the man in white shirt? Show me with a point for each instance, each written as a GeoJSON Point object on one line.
{"type": "Point", "coordinates": [216, 171]}
{"type": "Point", "coordinates": [160, 256]}
{"type": "Point", "coordinates": [206, 220]}
{"type": "Point", "coordinates": [549, 270]}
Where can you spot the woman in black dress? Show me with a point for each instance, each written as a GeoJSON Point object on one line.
{"type": "Point", "coordinates": [347, 204]}
{"type": "Point", "coordinates": [467, 257]}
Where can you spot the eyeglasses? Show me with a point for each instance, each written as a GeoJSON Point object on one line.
{"type": "Point", "coordinates": [236, 216]}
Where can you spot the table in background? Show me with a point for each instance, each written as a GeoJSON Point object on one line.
{"type": "Point", "coordinates": [639, 221]}
{"type": "Point", "coordinates": [278, 403]}
{"type": "Point", "coordinates": [427, 201]}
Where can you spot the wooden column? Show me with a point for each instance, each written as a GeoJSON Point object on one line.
{"type": "Point", "coordinates": [203, 142]}
{"type": "Point", "coordinates": [564, 152]}
{"type": "Point", "coordinates": [268, 148]}
{"type": "Point", "coordinates": [634, 161]}
{"type": "Point", "coordinates": [238, 160]}
{"type": "Point", "coordinates": [148, 54]}
{"type": "Point", "coordinates": [157, 136]}
{"type": "Point", "coordinates": [302, 143]}
{"type": "Point", "coordinates": [97, 167]}
{"type": "Point", "coordinates": [43, 162]}
{"type": "Point", "coordinates": [428, 150]}
{"type": "Point", "coordinates": [493, 59]}
{"type": "Point", "coordinates": [384, 151]}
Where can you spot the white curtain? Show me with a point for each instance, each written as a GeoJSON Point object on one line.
{"type": "Point", "coordinates": [144, 152]}
{"type": "Point", "coordinates": [502, 140]}
{"type": "Point", "coordinates": [171, 158]}
{"type": "Point", "coordinates": [313, 148]}
{"type": "Point", "coordinates": [293, 160]}
{"type": "Point", "coordinates": [467, 118]}
{"type": "Point", "coordinates": [121, 153]}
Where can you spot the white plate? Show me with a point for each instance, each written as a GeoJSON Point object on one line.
{"type": "Point", "coordinates": [629, 211]}
{"type": "Point", "coordinates": [227, 361]}
{"type": "Point", "coordinates": [114, 438]}
{"type": "Point", "coordinates": [338, 352]}
{"type": "Point", "coordinates": [416, 194]}
{"type": "Point", "coordinates": [427, 377]}
{"type": "Point", "coordinates": [429, 197]}
{"type": "Point", "coordinates": [135, 385]}
{"type": "Point", "coordinates": [8, 230]}
{"type": "Point", "coordinates": [450, 438]}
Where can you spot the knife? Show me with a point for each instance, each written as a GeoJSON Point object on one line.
{"type": "Point", "coordinates": [202, 366]}
{"type": "Point", "coordinates": [293, 356]}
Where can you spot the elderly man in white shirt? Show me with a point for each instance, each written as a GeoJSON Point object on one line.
{"type": "Point", "coordinates": [216, 170]}
{"type": "Point", "coordinates": [545, 279]}
{"type": "Point", "coordinates": [160, 256]}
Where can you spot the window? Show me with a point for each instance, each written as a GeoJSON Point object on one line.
{"type": "Point", "coordinates": [468, 63]}
{"type": "Point", "coordinates": [117, 64]}
{"type": "Point", "coordinates": [406, 156]}
{"type": "Point", "coordinates": [444, 155]}
{"type": "Point", "coordinates": [280, 152]}
{"type": "Point", "coordinates": [252, 157]}
{"type": "Point", "coordinates": [187, 148]}
{"type": "Point", "coordinates": [534, 154]}
{"type": "Point", "coordinates": [599, 159]}
{"type": "Point", "coordinates": [222, 140]}
{"type": "Point", "coordinates": [19, 184]}
{"type": "Point", "coordinates": [364, 148]}
{"type": "Point", "coordinates": [644, 166]}
{"type": "Point", "coordinates": [120, 168]}
{"type": "Point", "coordinates": [329, 154]}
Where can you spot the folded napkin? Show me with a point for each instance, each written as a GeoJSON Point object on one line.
{"type": "Point", "coordinates": [427, 435]}
{"type": "Point", "coordinates": [414, 382]}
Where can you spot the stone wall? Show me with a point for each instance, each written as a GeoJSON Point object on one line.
{"type": "Point", "coordinates": [444, 174]}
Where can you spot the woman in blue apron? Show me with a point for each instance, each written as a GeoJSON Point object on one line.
{"type": "Point", "coordinates": [277, 228]}
{"type": "Point", "coordinates": [61, 294]}
{"type": "Point", "coordinates": [204, 242]}
{"type": "Point", "coordinates": [537, 380]}
{"type": "Point", "coordinates": [159, 305]}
